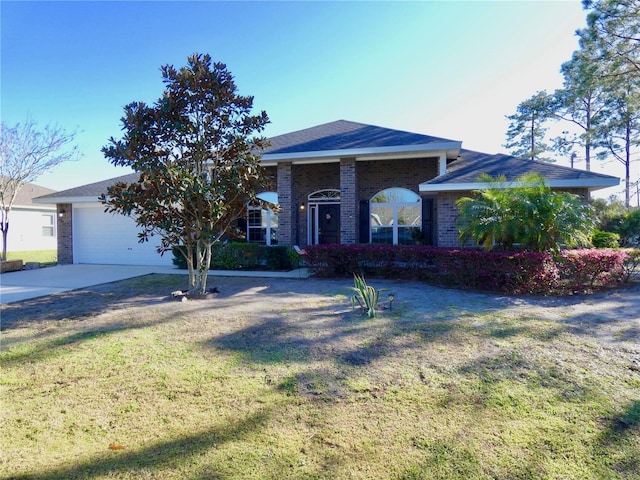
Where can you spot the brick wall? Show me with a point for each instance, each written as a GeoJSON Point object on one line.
{"type": "Point", "coordinates": [360, 181]}
{"type": "Point", "coordinates": [285, 199]}
{"type": "Point", "coordinates": [447, 214]}
{"type": "Point", "coordinates": [377, 175]}
{"type": "Point", "coordinates": [348, 201]}
{"type": "Point", "coordinates": [65, 233]}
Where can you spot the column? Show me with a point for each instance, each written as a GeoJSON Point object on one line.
{"type": "Point", "coordinates": [286, 223]}
{"type": "Point", "coordinates": [348, 201]}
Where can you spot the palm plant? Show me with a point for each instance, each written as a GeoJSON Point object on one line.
{"type": "Point", "coordinates": [527, 213]}
{"type": "Point", "coordinates": [487, 218]}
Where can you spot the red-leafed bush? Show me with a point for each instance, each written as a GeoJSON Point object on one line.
{"type": "Point", "coordinates": [589, 268]}
{"type": "Point", "coordinates": [499, 271]}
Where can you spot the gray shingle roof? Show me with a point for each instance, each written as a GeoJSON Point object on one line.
{"type": "Point", "coordinates": [467, 168]}
{"type": "Point", "coordinates": [345, 135]}
{"type": "Point", "coordinates": [92, 189]}
{"type": "Point", "coordinates": [471, 164]}
{"type": "Point", "coordinates": [28, 192]}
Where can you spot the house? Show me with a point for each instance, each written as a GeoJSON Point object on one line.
{"type": "Point", "coordinates": [32, 226]}
{"type": "Point", "coordinates": [340, 182]}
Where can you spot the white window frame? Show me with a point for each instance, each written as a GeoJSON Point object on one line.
{"type": "Point", "coordinates": [266, 219]}
{"type": "Point", "coordinates": [395, 206]}
{"type": "Point", "coordinates": [48, 222]}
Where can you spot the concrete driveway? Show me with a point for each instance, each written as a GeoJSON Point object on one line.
{"type": "Point", "coordinates": [25, 284]}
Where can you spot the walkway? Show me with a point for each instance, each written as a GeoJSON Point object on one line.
{"type": "Point", "coordinates": [26, 284]}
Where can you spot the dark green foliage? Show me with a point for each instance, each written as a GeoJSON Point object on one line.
{"type": "Point", "coordinates": [607, 211]}
{"type": "Point", "coordinates": [602, 239]}
{"type": "Point", "coordinates": [198, 161]}
{"type": "Point", "coordinates": [245, 256]}
{"type": "Point", "coordinates": [526, 134]}
{"type": "Point", "coordinates": [526, 213]}
{"type": "Point", "coordinates": [626, 224]}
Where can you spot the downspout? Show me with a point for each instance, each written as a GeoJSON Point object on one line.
{"type": "Point", "coordinates": [442, 164]}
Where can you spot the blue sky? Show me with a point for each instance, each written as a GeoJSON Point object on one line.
{"type": "Point", "coordinates": [452, 68]}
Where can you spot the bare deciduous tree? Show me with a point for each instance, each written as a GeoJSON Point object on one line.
{"type": "Point", "coordinates": [26, 152]}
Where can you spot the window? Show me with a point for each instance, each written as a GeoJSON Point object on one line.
{"type": "Point", "coordinates": [396, 216]}
{"type": "Point", "coordinates": [48, 225]}
{"type": "Point", "coordinates": [262, 224]}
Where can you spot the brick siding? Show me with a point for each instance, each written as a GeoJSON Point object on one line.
{"type": "Point", "coordinates": [374, 176]}
{"type": "Point", "coordinates": [348, 201]}
{"type": "Point", "coordinates": [447, 214]}
{"type": "Point", "coordinates": [65, 233]}
{"type": "Point", "coordinates": [285, 199]}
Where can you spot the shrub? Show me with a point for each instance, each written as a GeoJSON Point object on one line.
{"type": "Point", "coordinates": [627, 225]}
{"type": "Point", "coordinates": [631, 263]}
{"type": "Point", "coordinates": [514, 272]}
{"type": "Point", "coordinates": [245, 256]}
{"type": "Point", "coordinates": [528, 213]}
{"type": "Point", "coordinates": [602, 239]}
{"type": "Point", "coordinates": [498, 271]}
{"type": "Point", "coordinates": [581, 268]}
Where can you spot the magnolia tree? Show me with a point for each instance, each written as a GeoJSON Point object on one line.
{"type": "Point", "coordinates": [199, 162]}
{"type": "Point", "coordinates": [26, 152]}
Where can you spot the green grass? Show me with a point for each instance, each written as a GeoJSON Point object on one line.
{"type": "Point", "coordinates": [40, 256]}
{"type": "Point", "coordinates": [291, 384]}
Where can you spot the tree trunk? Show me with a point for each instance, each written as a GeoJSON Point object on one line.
{"type": "Point", "coordinates": [4, 226]}
{"type": "Point", "coordinates": [627, 164]}
{"type": "Point", "coordinates": [203, 259]}
{"type": "Point", "coordinates": [533, 138]}
{"type": "Point", "coordinates": [188, 256]}
{"type": "Point", "coordinates": [587, 143]}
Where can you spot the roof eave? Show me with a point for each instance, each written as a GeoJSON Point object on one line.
{"type": "Point", "coordinates": [45, 206]}
{"type": "Point", "coordinates": [591, 184]}
{"type": "Point", "coordinates": [450, 149]}
{"type": "Point", "coordinates": [70, 199]}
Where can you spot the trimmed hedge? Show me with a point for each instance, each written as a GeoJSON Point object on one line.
{"type": "Point", "coordinates": [509, 272]}
{"type": "Point", "coordinates": [245, 256]}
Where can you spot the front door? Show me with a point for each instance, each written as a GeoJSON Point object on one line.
{"type": "Point", "coordinates": [328, 223]}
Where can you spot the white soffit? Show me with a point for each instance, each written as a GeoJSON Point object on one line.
{"type": "Point", "coordinates": [451, 149]}
{"type": "Point", "coordinates": [592, 183]}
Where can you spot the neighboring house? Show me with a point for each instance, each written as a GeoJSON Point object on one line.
{"type": "Point", "coordinates": [341, 182]}
{"type": "Point", "coordinates": [32, 226]}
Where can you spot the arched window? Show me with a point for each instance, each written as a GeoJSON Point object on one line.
{"type": "Point", "coordinates": [396, 216]}
{"type": "Point", "coordinates": [262, 224]}
{"type": "Point", "coordinates": [327, 195]}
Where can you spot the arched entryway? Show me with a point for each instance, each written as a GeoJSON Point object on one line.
{"type": "Point", "coordinates": [324, 217]}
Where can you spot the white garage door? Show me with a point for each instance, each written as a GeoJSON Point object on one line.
{"type": "Point", "coordinates": [105, 238]}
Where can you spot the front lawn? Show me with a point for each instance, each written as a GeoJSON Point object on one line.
{"type": "Point", "coordinates": [277, 379]}
{"type": "Point", "coordinates": [49, 257]}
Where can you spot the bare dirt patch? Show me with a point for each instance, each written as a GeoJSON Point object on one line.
{"type": "Point", "coordinates": [611, 316]}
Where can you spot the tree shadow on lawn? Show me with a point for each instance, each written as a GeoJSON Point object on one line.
{"type": "Point", "coordinates": [305, 333]}
{"type": "Point", "coordinates": [617, 439]}
{"type": "Point", "coordinates": [293, 310]}
{"type": "Point", "coordinates": [50, 348]}
{"type": "Point", "coordinates": [91, 301]}
{"type": "Point", "coordinates": [163, 454]}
